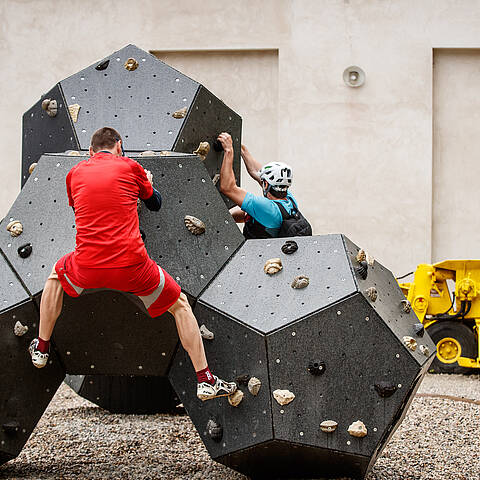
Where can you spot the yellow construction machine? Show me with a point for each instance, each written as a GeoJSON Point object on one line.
{"type": "Point", "coordinates": [450, 316]}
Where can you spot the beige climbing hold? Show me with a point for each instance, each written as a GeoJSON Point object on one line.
{"type": "Point", "coordinates": [216, 178]}
{"type": "Point", "coordinates": [254, 385]}
{"type": "Point", "coordinates": [131, 64]}
{"type": "Point", "coordinates": [425, 350]}
{"type": "Point", "coordinates": [182, 113]}
{"type": "Point", "coordinates": [31, 168]}
{"type": "Point", "coordinates": [272, 266]}
{"type": "Point", "coordinates": [73, 153]}
{"type": "Point", "coordinates": [301, 281]}
{"type": "Point", "coordinates": [283, 397]}
{"type": "Point", "coordinates": [372, 293]}
{"type": "Point", "coordinates": [328, 426]}
{"type": "Point", "coordinates": [410, 343]}
{"type": "Point", "coordinates": [165, 153]}
{"type": "Point", "coordinates": [74, 109]}
{"type": "Point", "coordinates": [235, 399]}
{"type": "Point", "coordinates": [202, 150]}
{"type": "Point", "coordinates": [19, 330]}
{"type": "Point", "coordinates": [406, 306]}
{"type": "Point", "coordinates": [50, 106]}
{"type": "Point", "coordinates": [370, 259]}
{"type": "Point", "coordinates": [361, 255]}
{"type": "Point", "coordinates": [206, 333]}
{"type": "Point", "coordinates": [15, 228]}
{"type": "Point", "coordinates": [357, 429]}
{"type": "Point", "coordinates": [194, 225]}
{"type": "Point", "coordinates": [147, 153]}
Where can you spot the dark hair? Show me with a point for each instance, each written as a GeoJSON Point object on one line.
{"type": "Point", "coordinates": [278, 193]}
{"type": "Point", "coordinates": [105, 137]}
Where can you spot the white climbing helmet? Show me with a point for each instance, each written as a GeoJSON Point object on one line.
{"type": "Point", "coordinates": [277, 174]}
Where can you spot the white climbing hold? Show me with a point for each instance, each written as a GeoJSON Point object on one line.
{"type": "Point", "coordinates": [410, 343]}
{"type": "Point", "coordinates": [206, 333]}
{"type": "Point", "coordinates": [357, 429]}
{"type": "Point", "coordinates": [19, 330]}
{"type": "Point", "coordinates": [283, 397]}
{"type": "Point", "coordinates": [73, 153]}
{"type": "Point", "coordinates": [425, 350]}
{"type": "Point", "coordinates": [254, 385]}
{"type": "Point", "coordinates": [272, 266]}
{"type": "Point", "coordinates": [235, 399]}
{"type": "Point", "coordinates": [74, 109]}
{"type": "Point", "coordinates": [328, 426]}
{"type": "Point", "coordinates": [15, 228]}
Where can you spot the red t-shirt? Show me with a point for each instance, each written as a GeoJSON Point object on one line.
{"type": "Point", "coordinates": [104, 191]}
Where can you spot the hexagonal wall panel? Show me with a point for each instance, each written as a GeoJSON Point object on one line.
{"type": "Point", "coordinates": [341, 353]}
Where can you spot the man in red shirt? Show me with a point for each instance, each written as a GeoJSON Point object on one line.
{"type": "Point", "coordinates": [110, 253]}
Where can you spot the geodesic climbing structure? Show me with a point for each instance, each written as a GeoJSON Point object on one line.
{"type": "Point", "coordinates": [317, 334]}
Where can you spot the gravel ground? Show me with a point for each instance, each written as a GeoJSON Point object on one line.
{"type": "Point", "coordinates": [439, 439]}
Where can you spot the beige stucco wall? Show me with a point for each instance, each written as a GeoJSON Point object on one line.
{"type": "Point", "coordinates": [362, 157]}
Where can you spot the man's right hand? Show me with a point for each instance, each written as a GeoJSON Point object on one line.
{"type": "Point", "coordinates": [149, 175]}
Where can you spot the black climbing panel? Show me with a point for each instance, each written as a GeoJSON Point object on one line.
{"type": "Point", "coordinates": [25, 391]}
{"type": "Point", "coordinates": [127, 394]}
{"type": "Point", "coordinates": [42, 133]}
{"type": "Point", "coordinates": [341, 355]}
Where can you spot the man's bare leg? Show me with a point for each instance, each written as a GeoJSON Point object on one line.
{"type": "Point", "coordinates": [189, 332]}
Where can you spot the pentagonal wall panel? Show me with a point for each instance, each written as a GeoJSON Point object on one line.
{"type": "Point", "coordinates": [357, 352]}
{"type": "Point", "coordinates": [235, 351]}
{"type": "Point", "coordinates": [388, 304]}
{"type": "Point", "coordinates": [138, 103]}
{"type": "Point", "coordinates": [268, 302]}
{"type": "Point", "coordinates": [43, 133]}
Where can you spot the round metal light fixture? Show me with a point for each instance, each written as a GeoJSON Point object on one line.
{"type": "Point", "coordinates": [354, 76]}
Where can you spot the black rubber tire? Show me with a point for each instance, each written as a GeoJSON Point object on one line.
{"type": "Point", "coordinates": [465, 337]}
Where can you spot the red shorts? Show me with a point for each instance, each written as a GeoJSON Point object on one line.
{"type": "Point", "coordinates": [148, 281]}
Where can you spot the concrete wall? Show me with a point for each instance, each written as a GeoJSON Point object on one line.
{"type": "Point", "coordinates": [362, 157]}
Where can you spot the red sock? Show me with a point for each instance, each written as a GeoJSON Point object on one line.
{"type": "Point", "coordinates": [43, 345]}
{"type": "Point", "coordinates": [205, 375]}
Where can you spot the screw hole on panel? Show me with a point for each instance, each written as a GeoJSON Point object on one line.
{"type": "Point", "coordinates": [52, 239]}
{"type": "Point", "coordinates": [204, 113]}
{"type": "Point", "coordinates": [241, 273]}
{"type": "Point", "coordinates": [160, 256]}
{"type": "Point", "coordinates": [303, 303]}
{"type": "Point", "coordinates": [179, 201]}
{"type": "Point", "coordinates": [54, 201]}
{"type": "Point", "coordinates": [41, 223]}
{"type": "Point", "coordinates": [129, 86]}
{"type": "Point", "coordinates": [88, 111]}
{"type": "Point", "coordinates": [179, 240]}
{"type": "Point", "coordinates": [73, 226]}
{"type": "Point", "coordinates": [272, 313]}
{"type": "Point", "coordinates": [85, 90]}
{"type": "Point", "coordinates": [139, 116]}
{"type": "Point", "coordinates": [30, 202]}
{"type": "Point", "coordinates": [328, 287]}
{"type": "Point", "coordinates": [173, 91]}
{"type": "Point", "coordinates": [154, 75]}
{"type": "Point", "coordinates": [329, 268]}
{"type": "Point", "coordinates": [207, 204]}
{"type": "Point", "coordinates": [187, 267]}
{"type": "Point", "coordinates": [259, 286]}
{"type": "Point", "coordinates": [148, 98]}
{"type": "Point", "coordinates": [277, 295]}
{"type": "Point", "coordinates": [162, 174]}
{"type": "Point", "coordinates": [218, 231]}
{"type": "Point", "coordinates": [260, 255]}
{"type": "Point", "coordinates": [206, 254]}
{"type": "Point", "coordinates": [158, 227]}
{"type": "Point", "coordinates": [43, 266]}
{"type": "Point", "coordinates": [105, 75]}
{"type": "Point", "coordinates": [154, 133]}
{"type": "Point", "coordinates": [115, 115]}
{"type": "Point", "coordinates": [246, 306]}
{"type": "Point", "coordinates": [230, 293]}
{"type": "Point", "coordinates": [109, 97]}
{"type": "Point", "coordinates": [126, 136]}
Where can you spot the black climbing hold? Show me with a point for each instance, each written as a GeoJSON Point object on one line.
{"type": "Point", "coordinates": [11, 427]}
{"type": "Point", "coordinates": [419, 329]}
{"type": "Point", "coordinates": [25, 251]}
{"type": "Point", "coordinates": [243, 379]}
{"type": "Point", "coordinates": [102, 65]}
{"type": "Point", "coordinates": [385, 389]}
{"type": "Point", "coordinates": [217, 146]}
{"type": "Point", "coordinates": [289, 247]}
{"type": "Point", "coordinates": [316, 368]}
{"type": "Point", "coordinates": [215, 430]}
{"type": "Point", "coordinates": [142, 233]}
{"type": "Point", "coordinates": [362, 270]}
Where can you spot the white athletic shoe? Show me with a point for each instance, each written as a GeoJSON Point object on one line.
{"type": "Point", "coordinates": [206, 391]}
{"type": "Point", "coordinates": [39, 359]}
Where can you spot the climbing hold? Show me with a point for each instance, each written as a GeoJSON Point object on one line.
{"type": "Point", "coordinates": [283, 397]}
{"type": "Point", "coordinates": [372, 293]}
{"type": "Point", "coordinates": [15, 228]}
{"type": "Point", "coordinates": [164, 153]}
{"type": "Point", "coordinates": [316, 368]}
{"type": "Point", "coordinates": [370, 260]}
{"type": "Point", "coordinates": [131, 64]}
{"type": "Point", "coordinates": [194, 225]}
{"type": "Point", "coordinates": [235, 399]}
{"type": "Point", "coordinates": [272, 266]}
{"type": "Point", "coordinates": [254, 385]}
{"type": "Point", "coordinates": [74, 109]}
{"type": "Point", "coordinates": [217, 146]}
{"type": "Point", "coordinates": [50, 106]}
{"type": "Point", "coordinates": [406, 306]}
{"type": "Point", "coordinates": [19, 330]}
{"type": "Point", "coordinates": [24, 251]}
{"type": "Point", "coordinates": [182, 113]}
{"type": "Point", "coordinates": [102, 65]}
{"type": "Point", "coordinates": [147, 153]}
{"type": "Point", "coordinates": [202, 150]}
{"type": "Point", "coordinates": [215, 430]}
{"type": "Point", "coordinates": [328, 426]}
{"type": "Point", "coordinates": [289, 247]}
{"type": "Point", "coordinates": [385, 389]}
{"type": "Point", "coordinates": [10, 427]}
{"type": "Point", "coordinates": [216, 178]}
{"type": "Point", "coordinates": [31, 168]}
{"type": "Point", "coordinates": [357, 429]}
{"type": "Point", "coordinates": [206, 333]}
{"type": "Point", "coordinates": [361, 256]}
{"type": "Point", "coordinates": [425, 350]}
{"type": "Point", "coordinates": [243, 379]}
{"type": "Point", "coordinates": [73, 153]}
{"type": "Point", "coordinates": [419, 329]}
{"type": "Point", "coordinates": [362, 270]}
{"type": "Point", "coordinates": [301, 281]}
{"type": "Point", "coordinates": [410, 343]}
